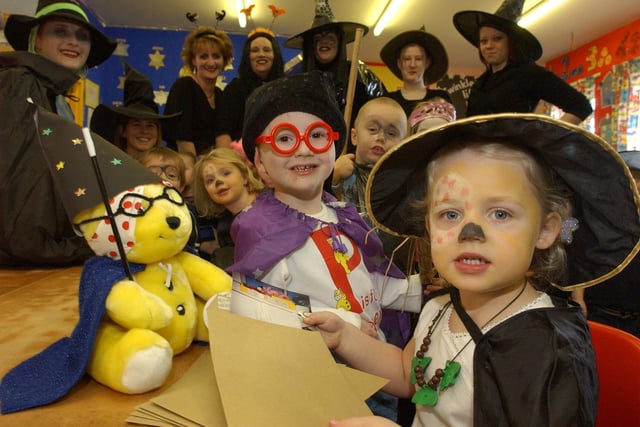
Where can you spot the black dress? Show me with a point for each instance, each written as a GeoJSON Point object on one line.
{"type": "Point", "coordinates": [409, 104]}
{"type": "Point", "coordinates": [518, 88]}
{"type": "Point", "coordinates": [198, 120]}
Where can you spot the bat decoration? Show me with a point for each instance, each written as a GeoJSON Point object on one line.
{"type": "Point", "coordinates": [192, 17]}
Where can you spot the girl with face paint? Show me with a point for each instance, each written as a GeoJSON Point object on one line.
{"type": "Point", "coordinates": [507, 217]}
{"type": "Point", "coordinates": [224, 184]}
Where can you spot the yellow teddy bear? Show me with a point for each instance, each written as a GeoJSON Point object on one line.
{"type": "Point", "coordinates": [156, 316]}
{"type": "Point", "coordinates": [141, 298]}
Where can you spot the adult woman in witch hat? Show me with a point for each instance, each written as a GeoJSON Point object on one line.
{"type": "Point", "coordinates": [324, 47]}
{"type": "Point", "coordinates": [136, 127]}
{"type": "Point", "coordinates": [419, 59]}
{"type": "Point", "coordinates": [512, 81]}
{"type": "Point", "coordinates": [54, 49]}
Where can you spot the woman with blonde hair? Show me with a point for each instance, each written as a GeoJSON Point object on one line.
{"type": "Point", "coordinates": [206, 53]}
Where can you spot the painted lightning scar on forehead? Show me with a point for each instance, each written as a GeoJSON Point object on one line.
{"type": "Point", "coordinates": [454, 190]}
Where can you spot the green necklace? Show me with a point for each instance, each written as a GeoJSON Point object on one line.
{"type": "Point", "coordinates": [443, 377]}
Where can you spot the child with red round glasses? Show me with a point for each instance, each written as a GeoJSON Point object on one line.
{"type": "Point", "coordinates": [297, 236]}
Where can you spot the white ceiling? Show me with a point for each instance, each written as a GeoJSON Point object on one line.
{"type": "Point", "coordinates": [572, 24]}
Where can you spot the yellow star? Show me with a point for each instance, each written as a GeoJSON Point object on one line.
{"type": "Point", "coordinates": [60, 165]}
{"type": "Point", "coordinates": [157, 59]}
{"type": "Point", "coordinates": [76, 141]}
{"type": "Point", "coordinates": [80, 192]}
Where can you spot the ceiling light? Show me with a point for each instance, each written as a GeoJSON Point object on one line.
{"type": "Point", "coordinates": [538, 11]}
{"type": "Point", "coordinates": [242, 18]}
{"type": "Point", "coordinates": [387, 14]}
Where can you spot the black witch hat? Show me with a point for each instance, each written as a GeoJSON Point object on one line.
{"type": "Point", "coordinates": [66, 153]}
{"type": "Point", "coordinates": [505, 19]}
{"type": "Point", "coordinates": [323, 21]}
{"type": "Point", "coordinates": [435, 50]}
{"type": "Point", "coordinates": [603, 193]}
{"type": "Point", "coordinates": [18, 28]}
{"type": "Point", "coordinates": [138, 104]}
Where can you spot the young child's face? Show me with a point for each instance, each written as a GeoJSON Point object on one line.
{"type": "Point", "coordinates": [485, 222]}
{"type": "Point", "coordinates": [141, 134]}
{"type": "Point", "coordinates": [225, 184]}
{"type": "Point", "coordinates": [378, 127]}
{"type": "Point", "coordinates": [165, 169]}
{"type": "Point", "coordinates": [301, 174]}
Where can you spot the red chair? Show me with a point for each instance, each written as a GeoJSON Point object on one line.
{"type": "Point", "coordinates": [618, 362]}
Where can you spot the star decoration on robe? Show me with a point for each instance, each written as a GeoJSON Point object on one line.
{"type": "Point", "coordinates": [156, 58]}
{"type": "Point", "coordinates": [80, 192]}
{"type": "Point", "coordinates": [121, 80]}
{"type": "Point", "coordinates": [60, 165]}
{"type": "Point", "coordinates": [77, 141]}
{"type": "Point", "coordinates": [116, 162]}
{"type": "Point", "coordinates": [47, 132]}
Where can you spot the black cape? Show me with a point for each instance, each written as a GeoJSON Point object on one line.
{"type": "Point", "coordinates": [536, 369]}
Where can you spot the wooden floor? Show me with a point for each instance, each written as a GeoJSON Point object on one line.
{"type": "Point", "coordinates": [38, 307]}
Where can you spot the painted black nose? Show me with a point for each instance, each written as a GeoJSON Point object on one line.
{"type": "Point", "coordinates": [173, 222]}
{"type": "Point", "coordinates": [471, 231]}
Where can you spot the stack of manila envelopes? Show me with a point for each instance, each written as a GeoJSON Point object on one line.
{"type": "Point", "coordinates": [260, 374]}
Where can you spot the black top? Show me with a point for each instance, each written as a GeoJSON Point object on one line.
{"type": "Point", "coordinates": [34, 227]}
{"type": "Point", "coordinates": [409, 104]}
{"type": "Point", "coordinates": [198, 120]}
{"type": "Point", "coordinates": [550, 351]}
{"type": "Point", "coordinates": [519, 88]}
{"type": "Point", "coordinates": [231, 109]}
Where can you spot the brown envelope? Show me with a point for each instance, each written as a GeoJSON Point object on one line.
{"type": "Point", "coordinates": [291, 381]}
{"type": "Point", "coordinates": [271, 375]}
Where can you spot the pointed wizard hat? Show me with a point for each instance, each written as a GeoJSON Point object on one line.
{"type": "Point", "coordinates": [323, 21]}
{"type": "Point", "coordinates": [505, 19]}
{"type": "Point", "coordinates": [65, 151]}
{"type": "Point", "coordinates": [138, 103]}
{"type": "Point", "coordinates": [18, 28]}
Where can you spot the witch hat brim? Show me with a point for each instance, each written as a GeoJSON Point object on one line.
{"type": "Point", "coordinates": [348, 29]}
{"type": "Point", "coordinates": [468, 24]}
{"type": "Point", "coordinates": [139, 103]}
{"type": "Point", "coordinates": [105, 120]}
{"type": "Point", "coordinates": [435, 50]}
{"type": "Point", "coordinates": [604, 195]}
{"type": "Point", "coordinates": [18, 28]}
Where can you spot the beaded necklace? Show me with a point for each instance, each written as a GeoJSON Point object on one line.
{"type": "Point", "coordinates": [443, 377]}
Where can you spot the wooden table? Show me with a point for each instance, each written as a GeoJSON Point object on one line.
{"type": "Point", "coordinates": [38, 307]}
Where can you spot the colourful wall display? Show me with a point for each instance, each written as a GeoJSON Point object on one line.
{"type": "Point", "coordinates": [611, 66]}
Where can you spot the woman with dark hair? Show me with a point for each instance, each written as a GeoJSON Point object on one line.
{"type": "Point", "coordinates": [419, 59]}
{"type": "Point", "coordinates": [261, 62]}
{"type": "Point", "coordinates": [324, 48]}
{"type": "Point", "coordinates": [513, 82]}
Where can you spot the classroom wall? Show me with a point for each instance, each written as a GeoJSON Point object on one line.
{"type": "Point", "coordinates": [609, 67]}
